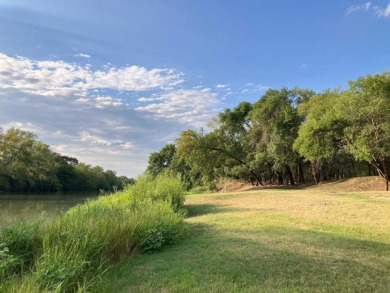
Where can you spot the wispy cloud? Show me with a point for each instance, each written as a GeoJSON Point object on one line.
{"type": "Point", "coordinates": [82, 55]}
{"type": "Point", "coordinates": [222, 86]}
{"type": "Point", "coordinates": [58, 78]}
{"type": "Point", "coordinates": [189, 106]}
{"type": "Point", "coordinates": [382, 12]}
{"type": "Point", "coordinates": [253, 88]}
{"type": "Point", "coordinates": [354, 8]}
{"type": "Point", "coordinates": [369, 7]}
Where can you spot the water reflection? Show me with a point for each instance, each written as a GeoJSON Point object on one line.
{"type": "Point", "coordinates": [23, 207]}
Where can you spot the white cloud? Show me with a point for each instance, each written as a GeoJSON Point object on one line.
{"type": "Point", "coordinates": [87, 137]}
{"type": "Point", "coordinates": [82, 55]}
{"type": "Point", "coordinates": [221, 86]}
{"type": "Point", "coordinates": [102, 102]}
{"type": "Point", "coordinates": [252, 88]}
{"type": "Point", "coordinates": [382, 12]}
{"type": "Point", "coordinates": [354, 8]}
{"type": "Point", "coordinates": [368, 6]}
{"type": "Point", "coordinates": [58, 78]}
{"type": "Point", "coordinates": [189, 106]}
{"type": "Point", "coordinates": [145, 100]}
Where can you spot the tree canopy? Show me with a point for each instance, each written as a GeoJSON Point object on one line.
{"type": "Point", "coordinates": [26, 164]}
{"type": "Point", "coordinates": [290, 135]}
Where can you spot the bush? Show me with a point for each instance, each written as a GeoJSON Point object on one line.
{"type": "Point", "coordinates": [19, 245]}
{"type": "Point", "coordinates": [162, 188]}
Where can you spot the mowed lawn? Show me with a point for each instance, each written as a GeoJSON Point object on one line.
{"type": "Point", "coordinates": [270, 241]}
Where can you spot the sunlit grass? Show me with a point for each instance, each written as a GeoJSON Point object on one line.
{"type": "Point", "coordinates": [271, 241]}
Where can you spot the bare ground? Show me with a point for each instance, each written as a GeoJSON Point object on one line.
{"type": "Point", "coordinates": [369, 183]}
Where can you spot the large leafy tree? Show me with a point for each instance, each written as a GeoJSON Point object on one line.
{"type": "Point", "coordinates": [25, 162]}
{"type": "Point", "coordinates": [366, 107]}
{"type": "Point", "coordinates": [231, 141]}
{"type": "Point", "coordinates": [320, 135]}
{"type": "Point", "coordinates": [194, 149]}
{"type": "Point", "coordinates": [275, 123]}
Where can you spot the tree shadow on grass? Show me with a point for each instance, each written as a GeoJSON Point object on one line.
{"type": "Point", "coordinates": [272, 259]}
{"type": "Point", "coordinates": [194, 210]}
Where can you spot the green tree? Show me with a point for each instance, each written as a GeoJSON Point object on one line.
{"type": "Point", "coordinates": [161, 160]}
{"type": "Point", "coordinates": [366, 107]}
{"type": "Point", "coordinates": [320, 135]}
{"type": "Point", "coordinates": [26, 163]}
{"type": "Point", "coordinates": [275, 123]}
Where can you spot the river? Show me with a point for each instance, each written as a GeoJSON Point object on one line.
{"type": "Point", "coordinates": [15, 208]}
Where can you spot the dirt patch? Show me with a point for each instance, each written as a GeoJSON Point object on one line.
{"type": "Point", "coordinates": [233, 186]}
{"type": "Point", "coordinates": [370, 183]}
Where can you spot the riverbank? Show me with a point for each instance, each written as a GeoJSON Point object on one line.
{"type": "Point", "coordinates": [70, 253]}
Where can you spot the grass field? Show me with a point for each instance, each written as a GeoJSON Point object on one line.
{"type": "Point", "coordinates": [270, 241]}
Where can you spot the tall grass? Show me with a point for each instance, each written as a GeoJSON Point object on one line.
{"type": "Point", "coordinates": [67, 254]}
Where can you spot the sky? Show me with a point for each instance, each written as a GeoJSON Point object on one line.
{"type": "Point", "coordinates": [109, 82]}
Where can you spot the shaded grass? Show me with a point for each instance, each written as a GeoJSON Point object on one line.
{"type": "Point", "coordinates": [270, 241]}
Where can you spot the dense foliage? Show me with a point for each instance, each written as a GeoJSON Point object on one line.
{"type": "Point", "coordinates": [290, 136]}
{"type": "Point", "coordinates": [26, 164]}
{"type": "Point", "coordinates": [69, 253]}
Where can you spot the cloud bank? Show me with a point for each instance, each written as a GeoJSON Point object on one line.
{"type": "Point", "coordinates": [110, 116]}
{"type": "Point", "coordinates": [59, 78]}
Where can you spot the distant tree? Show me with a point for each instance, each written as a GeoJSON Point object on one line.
{"type": "Point", "coordinates": [26, 164]}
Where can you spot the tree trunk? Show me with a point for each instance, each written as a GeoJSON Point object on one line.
{"type": "Point", "coordinates": [280, 178]}
{"type": "Point", "coordinates": [258, 179]}
{"type": "Point", "coordinates": [243, 163]}
{"type": "Point", "coordinates": [316, 170]}
{"type": "Point", "coordinates": [381, 168]}
{"type": "Point", "coordinates": [290, 175]}
{"type": "Point", "coordinates": [386, 175]}
{"type": "Point", "coordinates": [301, 176]}
{"type": "Point", "coordinates": [369, 170]}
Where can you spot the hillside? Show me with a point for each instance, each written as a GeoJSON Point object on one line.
{"type": "Point", "coordinates": [271, 240]}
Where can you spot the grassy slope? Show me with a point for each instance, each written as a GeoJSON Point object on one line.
{"type": "Point", "coordinates": [271, 240]}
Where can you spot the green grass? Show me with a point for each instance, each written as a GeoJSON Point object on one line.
{"type": "Point", "coordinates": [270, 241]}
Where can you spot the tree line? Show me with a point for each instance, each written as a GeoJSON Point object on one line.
{"type": "Point", "coordinates": [289, 136]}
{"type": "Point", "coordinates": [27, 164]}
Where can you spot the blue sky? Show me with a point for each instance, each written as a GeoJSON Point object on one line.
{"type": "Point", "coordinates": [111, 81]}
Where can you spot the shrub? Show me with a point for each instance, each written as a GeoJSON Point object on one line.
{"type": "Point", "coordinates": [162, 188]}
{"type": "Point", "coordinates": [19, 245]}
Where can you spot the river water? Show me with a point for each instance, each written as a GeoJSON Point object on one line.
{"type": "Point", "coordinates": [24, 207]}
